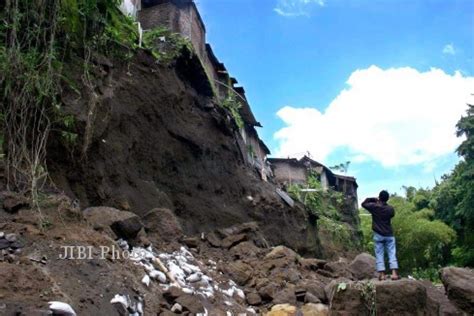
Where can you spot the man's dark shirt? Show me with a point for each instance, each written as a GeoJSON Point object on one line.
{"type": "Point", "coordinates": [382, 214]}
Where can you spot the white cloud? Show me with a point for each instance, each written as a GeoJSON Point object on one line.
{"type": "Point", "coordinates": [291, 8]}
{"type": "Point", "coordinates": [449, 49]}
{"type": "Point", "coordinates": [397, 116]}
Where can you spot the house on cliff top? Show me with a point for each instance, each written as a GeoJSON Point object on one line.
{"type": "Point", "coordinates": [182, 16]}
{"type": "Point", "coordinates": [287, 171]}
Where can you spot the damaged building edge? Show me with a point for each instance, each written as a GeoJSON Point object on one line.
{"type": "Point", "coordinates": [183, 17]}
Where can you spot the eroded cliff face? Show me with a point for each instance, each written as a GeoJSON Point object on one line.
{"type": "Point", "coordinates": [158, 140]}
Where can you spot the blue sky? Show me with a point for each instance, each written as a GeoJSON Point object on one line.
{"type": "Point", "coordinates": [380, 83]}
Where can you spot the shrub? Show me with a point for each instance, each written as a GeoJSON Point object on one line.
{"type": "Point", "coordinates": [165, 45]}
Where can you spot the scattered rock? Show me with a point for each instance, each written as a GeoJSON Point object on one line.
{"type": "Point", "coordinates": [10, 237]}
{"type": "Point", "coordinates": [315, 288]}
{"type": "Point", "coordinates": [60, 308]}
{"type": "Point", "coordinates": [158, 275]}
{"type": "Point", "coordinates": [312, 264]}
{"type": "Point", "coordinates": [177, 308]}
{"type": "Point", "coordinates": [233, 240]}
{"type": "Point", "coordinates": [195, 277]}
{"type": "Point", "coordinates": [190, 303]}
{"type": "Point", "coordinates": [213, 240]}
{"type": "Point", "coordinates": [459, 285]}
{"type": "Point", "coordinates": [292, 275]}
{"type": "Point", "coordinates": [268, 291]}
{"type": "Point", "coordinates": [246, 249]}
{"type": "Point", "coordinates": [2, 235]}
{"type": "Point", "coordinates": [285, 296]}
{"type": "Point", "coordinates": [239, 271]}
{"type": "Point", "coordinates": [282, 252]}
{"type": "Point", "coordinates": [17, 245]}
{"type": "Point", "coordinates": [254, 299]}
{"type": "Point", "coordinates": [282, 310]}
{"type": "Point", "coordinates": [164, 223]}
{"type": "Point", "coordinates": [172, 293]}
{"type": "Point", "coordinates": [310, 298]}
{"type": "Point", "coordinates": [102, 218]}
{"type": "Point", "coordinates": [363, 267]}
{"type": "Point", "coordinates": [121, 304]}
{"type": "Point", "coordinates": [338, 269]}
{"type": "Point", "coordinates": [4, 244]}
{"type": "Point", "coordinates": [146, 280]}
{"type": "Point", "coordinates": [239, 229]}
{"type": "Point", "coordinates": [14, 202]}
{"type": "Point", "coordinates": [191, 242]}
{"type": "Point", "coordinates": [315, 310]}
{"type": "Point", "coordinates": [127, 228]}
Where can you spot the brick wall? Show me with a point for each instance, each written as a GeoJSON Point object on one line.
{"type": "Point", "coordinates": [179, 17]}
{"type": "Point", "coordinates": [158, 15]}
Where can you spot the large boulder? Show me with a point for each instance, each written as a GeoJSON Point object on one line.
{"type": "Point", "coordinates": [102, 218]}
{"type": "Point", "coordinates": [438, 303]}
{"type": "Point", "coordinates": [127, 228]}
{"type": "Point", "coordinates": [163, 223]}
{"type": "Point", "coordinates": [402, 297]}
{"type": "Point", "coordinates": [13, 202]}
{"type": "Point", "coordinates": [363, 267]}
{"type": "Point", "coordinates": [459, 285]}
{"type": "Point", "coordinates": [345, 299]}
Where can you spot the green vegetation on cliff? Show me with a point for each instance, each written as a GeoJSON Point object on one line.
{"type": "Point", "coordinates": [47, 47]}
{"type": "Point", "coordinates": [326, 206]}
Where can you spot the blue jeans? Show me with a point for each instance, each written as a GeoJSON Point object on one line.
{"type": "Point", "coordinates": [385, 243]}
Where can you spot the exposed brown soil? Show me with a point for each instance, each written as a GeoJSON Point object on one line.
{"type": "Point", "coordinates": [160, 141]}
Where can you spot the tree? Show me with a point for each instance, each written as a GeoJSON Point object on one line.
{"type": "Point", "coordinates": [342, 167]}
{"type": "Point", "coordinates": [453, 197]}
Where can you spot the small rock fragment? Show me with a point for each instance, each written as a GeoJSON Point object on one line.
{"type": "Point", "coordinates": [121, 303]}
{"type": "Point", "coordinates": [146, 280]}
{"type": "Point", "coordinates": [158, 275]}
{"type": "Point", "coordinates": [60, 308]}
{"type": "Point", "coordinates": [196, 277]}
{"type": "Point", "coordinates": [177, 308]}
{"type": "Point", "coordinates": [191, 242]}
{"type": "Point", "coordinates": [4, 244]}
{"type": "Point", "coordinates": [10, 237]}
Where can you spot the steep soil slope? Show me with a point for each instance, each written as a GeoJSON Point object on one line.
{"type": "Point", "coordinates": [158, 140]}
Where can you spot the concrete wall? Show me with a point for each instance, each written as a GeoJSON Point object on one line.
{"type": "Point", "coordinates": [285, 172]}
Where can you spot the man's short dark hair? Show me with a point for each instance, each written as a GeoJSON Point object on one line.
{"type": "Point", "coordinates": [383, 196]}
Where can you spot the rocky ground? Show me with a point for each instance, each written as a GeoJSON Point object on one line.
{"type": "Point", "coordinates": [147, 266]}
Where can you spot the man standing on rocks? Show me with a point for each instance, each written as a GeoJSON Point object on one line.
{"type": "Point", "coordinates": [382, 214]}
